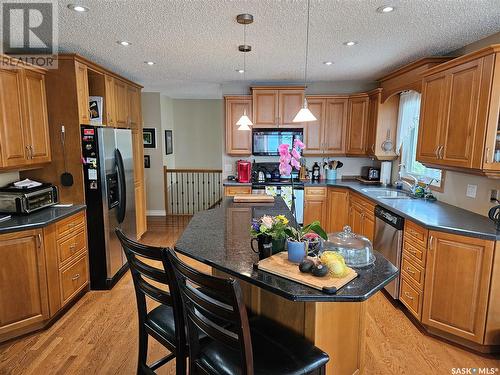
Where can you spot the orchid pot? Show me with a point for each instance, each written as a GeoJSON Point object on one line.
{"type": "Point", "coordinates": [299, 239]}
{"type": "Point", "coordinates": [296, 250]}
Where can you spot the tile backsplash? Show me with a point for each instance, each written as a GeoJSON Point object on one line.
{"type": "Point", "coordinates": [7, 178]}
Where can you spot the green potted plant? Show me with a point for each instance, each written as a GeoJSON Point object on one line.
{"type": "Point", "coordinates": [298, 241]}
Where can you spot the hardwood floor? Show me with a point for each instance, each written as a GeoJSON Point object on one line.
{"type": "Point", "coordinates": [99, 334]}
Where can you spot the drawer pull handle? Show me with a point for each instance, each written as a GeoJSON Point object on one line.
{"type": "Point", "coordinates": [408, 295]}
{"type": "Point", "coordinates": [71, 225]}
{"type": "Point", "coordinates": [409, 270]}
{"type": "Point", "coordinates": [72, 247]}
{"type": "Point", "coordinates": [76, 277]}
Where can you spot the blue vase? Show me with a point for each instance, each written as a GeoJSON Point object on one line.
{"type": "Point", "coordinates": [296, 251]}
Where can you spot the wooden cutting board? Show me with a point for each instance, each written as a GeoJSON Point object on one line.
{"type": "Point", "coordinates": [253, 198]}
{"type": "Point", "coordinates": [278, 264]}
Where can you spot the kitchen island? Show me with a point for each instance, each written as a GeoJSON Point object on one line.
{"type": "Point", "coordinates": [335, 323]}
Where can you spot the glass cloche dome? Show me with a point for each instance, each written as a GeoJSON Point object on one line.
{"type": "Point", "coordinates": [357, 250]}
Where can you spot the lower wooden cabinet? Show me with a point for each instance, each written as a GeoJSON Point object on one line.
{"type": "Point", "coordinates": [338, 209]}
{"type": "Point", "coordinates": [315, 205]}
{"type": "Point", "coordinates": [457, 285]}
{"type": "Point", "coordinates": [231, 191]}
{"type": "Point", "coordinates": [139, 183]}
{"type": "Point", "coordinates": [41, 272]}
{"type": "Point", "coordinates": [362, 216]}
{"type": "Point", "coordinates": [23, 280]}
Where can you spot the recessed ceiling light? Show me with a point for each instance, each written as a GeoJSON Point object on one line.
{"type": "Point", "coordinates": [124, 43]}
{"type": "Point", "coordinates": [328, 62]}
{"type": "Point", "coordinates": [386, 9]}
{"type": "Point", "coordinates": [240, 71]}
{"type": "Point", "coordinates": [149, 62]}
{"type": "Point", "coordinates": [350, 43]}
{"type": "Point", "coordinates": [78, 8]}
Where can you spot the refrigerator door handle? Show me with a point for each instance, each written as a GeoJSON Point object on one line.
{"type": "Point", "coordinates": [122, 192]}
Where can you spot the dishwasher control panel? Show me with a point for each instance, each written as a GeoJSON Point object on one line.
{"type": "Point", "coordinates": [389, 217]}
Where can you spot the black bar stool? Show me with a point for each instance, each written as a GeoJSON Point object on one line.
{"type": "Point", "coordinates": [160, 322]}
{"type": "Point", "coordinates": [234, 345]}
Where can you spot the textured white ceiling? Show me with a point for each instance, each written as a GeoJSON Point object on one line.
{"type": "Point", "coordinates": [194, 42]}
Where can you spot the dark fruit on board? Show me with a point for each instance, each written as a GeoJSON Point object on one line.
{"type": "Point", "coordinates": [306, 266]}
{"type": "Point", "coordinates": [320, 270]}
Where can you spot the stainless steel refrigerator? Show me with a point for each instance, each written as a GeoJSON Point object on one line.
{"type": "Point", "coordinates": [109, 194]}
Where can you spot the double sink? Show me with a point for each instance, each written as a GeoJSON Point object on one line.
{"type": "Point", "coordinates": [384, 193]}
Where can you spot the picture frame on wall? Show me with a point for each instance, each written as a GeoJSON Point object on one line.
{"type": "Point", "coordinates": [149, 137]}
{"type": "Point", "coordinates": [169, 142]}
{"type": "Point", "coordinates": [147, 161]}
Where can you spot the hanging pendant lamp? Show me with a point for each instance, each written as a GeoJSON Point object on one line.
{"type": "Point", "coordinates": [245, 19]}
{"type": "Point", "coordinates": [304, 114]}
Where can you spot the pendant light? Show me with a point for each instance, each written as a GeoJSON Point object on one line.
{"type": "Point", "coordinates": [245, 19]}
{"type": "Point", "coordinates": [304, 114]}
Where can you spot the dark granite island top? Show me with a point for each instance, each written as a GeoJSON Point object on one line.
{"type": "Point", "coordinates": [221, 238]}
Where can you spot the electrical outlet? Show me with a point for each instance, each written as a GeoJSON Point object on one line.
{"type": "Point", "coordinates": [471, 191]}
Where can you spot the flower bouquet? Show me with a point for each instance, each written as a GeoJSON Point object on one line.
{"type": "Point", "coordinates": [269, 231]}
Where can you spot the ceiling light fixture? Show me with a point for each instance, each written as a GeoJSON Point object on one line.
{"type": "Point", "coordinates": [350, 43]}
{"type": "Point", "coordinates": [305, 114]}
{"type": "Point", "coordinates": [78, 8]}
{"type": "Point", "coordinates": [328, 63]}
{"type": "Point", "coordinates": [245, 19]}
{"type": "Point", "coordinates": [240, 71]}
{"type": "Point", "coordinates": [386, 9]}
{"type": "Point", "coordinates": [149, 62]}
{"type": "Point", "coordinates": [124, 43]}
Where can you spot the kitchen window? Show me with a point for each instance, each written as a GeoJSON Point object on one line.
{"type": "Point", "coordinates": [408, 121]}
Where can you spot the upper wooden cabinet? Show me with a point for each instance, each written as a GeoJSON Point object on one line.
{"type": "Point", "coordinates": [327, 135]}
{"type": "Point", "coordinates": [109, 100]}
{"type": "Point", "coordinates": [276, 106]}
{"type": "Point", "coordinates": [238, 142]}
{"type": "Point", "coordinates": [121, 103]}
{"type": "Point", "coordinates": [459, 120]}
{"type": "Point", "coordinates": [82, 85]}
{"type": "Point", "coordinates": [134, 107]}
{"type": "Point", "coordinates": [458, 273]}
{"type": "Point", "coordinates": [382, 125]}
{"type": "Point", "coordinates": [24, 133]}
{"type": "Point", "coordinates": [357, 128]}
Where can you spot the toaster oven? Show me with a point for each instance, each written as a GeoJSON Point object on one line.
{"type": "Point", "coordinates": [24, 201]}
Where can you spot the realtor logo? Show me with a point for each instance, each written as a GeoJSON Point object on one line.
{"type": "Point", "coordinates": [29, 31]}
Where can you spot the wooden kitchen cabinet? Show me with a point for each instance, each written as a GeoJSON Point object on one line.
{"type": "Point", "coordinates": [82, 87]}
{"type": "Point", "coordinates": [23, 301]}
{"type": "Point", "coordinates": [37, 127]}
{"type": "Point", "coordinates": [134, 107]}
{"type": "Point", "coordinates": [460, 110]}
{"type": "Point", "coordinates": [357, 127]}
{"type": "Point", "coordinates": [238, 142]}
{"type": "Point", "coordinates": [276, 106]}
{"type": "Point", "coordinates": [327, 135]}
{"type": "Point", "coordinates": [139, 183]}
{"type": "Point", "coordinates": [457, 282]}
{"type": "Point", "coordinates": [121, 104]}
{"type": "Point", "coordinates": [109, 100]}
{"type": "Point", "coordinates": [24, 132]}
{"type": "Point", "coordinates": [362, 216]}
{"type": "Point", "coordinates": [232, 190]}
{"type": "Point", "coordinates": [315, 205]}
{"type": "Point", "coordinates": [338, 209]}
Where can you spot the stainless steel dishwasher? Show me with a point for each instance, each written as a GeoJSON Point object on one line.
{"type": "Point", "coordinates": [389, 242]}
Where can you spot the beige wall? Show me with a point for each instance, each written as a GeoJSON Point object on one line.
{"type": "Point", "coordinates": [198, 135]}
{"type": "Point", "coordinates": [8, 177]}
{"type": "Point", "coordinates": [151, 115]}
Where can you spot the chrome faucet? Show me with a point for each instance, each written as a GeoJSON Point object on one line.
{"type": "Point", "coordinates": [413, 186]}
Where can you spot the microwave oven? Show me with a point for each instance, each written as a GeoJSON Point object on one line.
{"type": "Point", "coordinates": [265, 142]}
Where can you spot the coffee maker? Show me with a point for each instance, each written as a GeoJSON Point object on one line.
{"type": "Point", "coordinates": [244, 171]}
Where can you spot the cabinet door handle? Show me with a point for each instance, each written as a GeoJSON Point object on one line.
{"type": "Point", "coordinates": [408, 295]}
{"type": "Point", "coordinates": [373, 148]}
{"type": "Point", "coordinates": [441, 152]}
{"type": "Point", "coordinates": [76, 277]}
{"type": "Point", "coordinates": [39, 240]}
{"type": "Point", "coordinates": [486, 155]}
{"type": "Point", "coordinates": [431, 243]}
{"type": "Point", "coordinates": [27, 152]}
{"type": "Point", "coordinates": [437, 152]}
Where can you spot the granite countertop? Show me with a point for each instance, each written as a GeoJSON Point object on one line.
{"type": "Point", "coordinates": [38, 219]}
{"type": "Point", "coordinates": [431, 215]}
{"type": "Point", "coordinates": [221, 238]}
